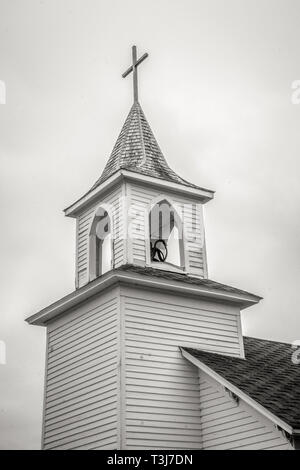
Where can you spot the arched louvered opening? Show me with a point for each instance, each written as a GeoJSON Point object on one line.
{"type": "Point", "coordinates": [100, 244]}
{"type": "Point", "coordinates": [166, 235]}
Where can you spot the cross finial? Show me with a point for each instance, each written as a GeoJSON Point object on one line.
{"type": "Point", "coordinates": [133, 68]}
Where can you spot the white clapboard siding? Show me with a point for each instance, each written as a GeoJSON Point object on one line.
{"type": "Point", "coordinates": [141, 197]}
{"type": "Point", "coordinates": [227, 425]}
{"type": "Point", "coordinates": [115, 202]}
{"type": "Point", "coordinates": [162, 388]}
{"type": "Point", "coordinates": [81, 399]}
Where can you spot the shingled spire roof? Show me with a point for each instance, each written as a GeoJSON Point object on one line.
{"type": "Point", "coordinates": [137, 150]}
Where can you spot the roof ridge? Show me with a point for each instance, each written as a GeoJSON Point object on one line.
{"type": "Point", "coordinates": [124, 140]}
{"type": "Point", "coordinates": [142, 135]}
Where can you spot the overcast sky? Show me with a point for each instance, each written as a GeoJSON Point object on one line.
{"type": "Point", "coordinates": [216, 90]}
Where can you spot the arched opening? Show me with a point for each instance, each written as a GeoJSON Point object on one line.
{"type": "Point", "coordinates": [100, 244]}
{"type": "Point", "coordinates": [166, 235]}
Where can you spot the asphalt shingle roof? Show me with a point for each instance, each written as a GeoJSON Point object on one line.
{"type": "Point", "coordinates": [182, 277]}
{"type": "Point", "coordinates": [267, 374]}
{"type": "Point", "coordinates": [137, 150]}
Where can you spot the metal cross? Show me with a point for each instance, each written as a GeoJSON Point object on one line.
{"type": "Point", "coordinates": [133, 68]}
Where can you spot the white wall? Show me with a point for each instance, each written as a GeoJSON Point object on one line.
{"type": "Point", "coordinates": [82, 377]}
{"type": "Point", "coordinates": [161, 396]}
{"type": "Point", "coordinates": [115, 374]}
{"type": "Point", "coordinates": [228, 425]}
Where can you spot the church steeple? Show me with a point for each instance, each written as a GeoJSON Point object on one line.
{"type": "Point", "coordinates": [116, 377]}
{"type": "Point", "coordinates": [136, 148]}
{"type": "Point", "coordinates": [130, 199]}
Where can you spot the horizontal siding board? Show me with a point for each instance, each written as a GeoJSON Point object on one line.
{"type": "Point", "coordinates": [186, 323]}
{"type": "Point", "coordinates": [145, 399]}
{"type": "Point", "coordinates": [79, 338]}
{"type": "Point", "coordinates": [164, 422]}
{"type": "Point", "coordinates": [63, 383]}
{"type": "Point", "coordinates": [82, 330]}
{"type": "Point", "coordinates": [218, 311]}
{"type": "Point", "coordinates": [231, 422]}
{"type": "Point", "coordinates": [67, 375]}
{"type": "Point", "coordinates": [172, 326]}
{"type": "Point", "coordinates": [267, 444]}
{"type": "Point", "coordinates": [234, 433]}
{"type": "Point", "coordinates": [159, 447]}
{"type": "Point", "coordinates": [108, 438]}
{"type": "Point", "coordinates": [75, 404]}
{"type": "Point", "coordinates": [172, 391]}
{"type": "Point", "coordinates": [77, 400]}
{"type": "Point", "coordinates": [79, 342]}
{"type": "Point", "coordinates": [166, 435]}
{"type": "Point", "coordinates": [227, 425]}
{"type": "Point", "coordinates": [75, 420]}
{"type": "Point", "coordinates": [216, 416]}
{"type": "Point", "coordinates": [68, 325]}
{"type": "Point", "coordinates": [78, 385]}
{"type": "Point", "coordinates": [162, 410]}
{"type": "Point", "coordinates": [81, 426]}
{"type": "Point", "coordinates": [77, 390]}
{"type": "Point", "coordinates": [72, 435]}
{"type": "Point", "coordinates": [161, 443]}
{"type": "Point", "coordinates": [202, 343]}
{"type": "Point", "coordinates": [106, 349]}
{"type": "Point", "coordinates": [106, 403]}
{"type": "Point", "coordinates": [147, 379]}
{"type": "Point", "coordinates": [81, 384]}
{"type": "Point", "coordinates": [161, 386]}
{"type": "Point", "coordinates": [67, 370]}
{"type": "Point", "coordinates": [164, 372]}
{"type": "Point", "coordinates": [162, 331]}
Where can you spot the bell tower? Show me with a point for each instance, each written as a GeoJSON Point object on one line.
{"type": "Point", "coordinates": [141, 198]}
{"type": "Point", "coordinates": [137, 189]}
{"type": "Point", "coordinates": [115, 376]}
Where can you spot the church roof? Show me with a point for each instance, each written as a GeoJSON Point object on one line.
{"type": "Point", "coordinates": [267, 375]}
{"type": "Point", "coordinates": [137, 150]}
{"type": "Point", "coordinates": [183, 278]}
{"type": "Point", "coordinates": [144, 276]}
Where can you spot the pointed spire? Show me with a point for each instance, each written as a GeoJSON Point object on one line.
{"type": "Point", "coordinates": [137, 150]}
